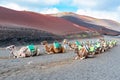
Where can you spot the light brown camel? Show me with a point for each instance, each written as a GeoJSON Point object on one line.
{"type": "Point", "coordinates": [71, 45]}
{"type": "Point", "coordinates": [81, 52]}
{"type": "Point", "coordinates": [84, 51]}
{"type": "Point", "coordinates": [23, 52]}
{"type": "Point", "coordinates": [50, 49]}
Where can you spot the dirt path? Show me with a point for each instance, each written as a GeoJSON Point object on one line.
{"type": "Point", "coordinates": [61, 67]}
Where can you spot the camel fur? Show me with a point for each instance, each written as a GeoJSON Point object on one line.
{"type": "Point", "coordinates": [50, 49]}
{"type": "Point", "coordinates": [22, 52]}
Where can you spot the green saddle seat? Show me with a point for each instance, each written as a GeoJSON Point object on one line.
{"type": "Point", "coordinates": [77, 43]}
{"type": "Point", "coordinates": [31, 48]}
{"type": "Point", "coordinates": [79, 47]}
{"type": "Point", "coordinates": [92, 49]}
{"type": "Point", "coordinates": [97, 45]}
{"type": "Point", "coordinates": [57, 45]}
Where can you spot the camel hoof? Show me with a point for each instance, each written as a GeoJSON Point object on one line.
{"type": "Point", "coordinates": [82, 58]}
{"type": "Point", "coordinates": [76, 58]}
{"type": "Point", "coordinates": [48, 53]}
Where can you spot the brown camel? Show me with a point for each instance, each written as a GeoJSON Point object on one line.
{"type": "Point", "coordinates": [50, 48]}
{"type": "Point", "coordinates": [82, 53]}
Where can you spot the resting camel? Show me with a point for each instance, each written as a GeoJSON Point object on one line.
{"type": "Point", "coordinates": [51, 49]}
{"type": "Point", "coordinates": [81, 52]}
{"type": "Point", "coordinates": [112, 43]}
{"type": "Point", "coordinates": [98, 48]}
{"type": "Point", "coordinates": [84, 51]}
{"type": "Point", "coordinates": [24, 51]}
{"type": "Point", "coordinates": [71, 45]}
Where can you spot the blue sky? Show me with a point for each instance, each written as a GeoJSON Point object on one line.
{"type": "Point", "coordinates": [107, 9]}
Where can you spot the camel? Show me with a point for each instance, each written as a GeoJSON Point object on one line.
{"type": "Point", "coordinates": [86, 50]}
{"type": "Point", "coordinates": [23, 52]}
{"type": "Point", "coordinates": [92, 49]}
{"type": "Point", "coordinates": [68, 45]}
{"type": "Point", "coordinates": [51, 49]}
{"type": "Point", "coordinates": [98, 47]}
{"type": "Point", "coordinates": [71, 45]}
{"type": "Point", "coordinates": [112, 43]}
{"type": "Point", "coordinates": [81, 52]}
{"type": "Point", "coordinates": [65, 44]}
{"type": "Point", "coordinates": [104, 46]}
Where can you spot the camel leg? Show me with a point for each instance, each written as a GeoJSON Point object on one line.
{"type": "Point", "coordinates": [102, 50]}
{"type": "Point", "coordinates": [38, 52]}
{"type": "Point", "coordinates": [83, 54]}
{"type": "Point", "coordinates": [63, 50]}
{"type": "Point", "coordinates": [78, 55]}
{"type": "Point", "coordinates": [49, 52]}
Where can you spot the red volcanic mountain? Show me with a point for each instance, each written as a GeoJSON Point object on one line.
{"type": "Point", "coordinates": [37, 21]}
{"type": "Point", "coordinates": [101, 25]}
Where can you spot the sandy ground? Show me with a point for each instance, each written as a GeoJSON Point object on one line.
{"type": "Point", "coordinates": [61, 66]}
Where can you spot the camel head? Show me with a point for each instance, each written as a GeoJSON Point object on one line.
{"type": "Point", "coordinates": [72, 45]}
{"type": "Point", "coordinates": [12, 50]}
{"type": "Point", "coordinates": [11, 47]}
{"type": "Point", "coordinates": [65, 41]}
{"type": "Point", "coordinates": [44, 42]}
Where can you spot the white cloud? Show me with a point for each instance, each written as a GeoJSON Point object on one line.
{"type": "Point", "coordinates": [31, 1]}
{"type": "Point", "coordinates": [100, 14]}
{"type": "Point", "coordinates": [14, 6]}
{"type": "Point", "coordinates": [43, 2]}
{"type": "Point", "coordinates": [85, 3]}
{"type": "Point", "coordinates": [34, 1]}
{"type": "Point", "coordinates": [48, 2]}
{"type": "Point", "coordinates": [49, 11]}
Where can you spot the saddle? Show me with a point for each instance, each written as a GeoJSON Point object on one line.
{"type": "Point", "coordinates": [31, 48]}
{"type": "Point", "coordinates": [92, 49]}
{"type": "Point", "coordinates": [97, 45]}
{"type": "Point", "coordinates": [77, 43]}
{"type": "Point", "coordinates": [57, 45]}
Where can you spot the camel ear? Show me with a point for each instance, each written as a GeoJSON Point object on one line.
{"type": "Point", "coordinates": [13, 46]}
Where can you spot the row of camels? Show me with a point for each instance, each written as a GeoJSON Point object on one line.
{"type": "Point", "coordinates": [83, 50]}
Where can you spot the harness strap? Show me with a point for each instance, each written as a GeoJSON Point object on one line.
{"type": "Point", "coordinates": [86, 47]}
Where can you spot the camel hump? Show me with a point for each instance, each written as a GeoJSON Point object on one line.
{"type": "Point", "coordinates": [57, 44]}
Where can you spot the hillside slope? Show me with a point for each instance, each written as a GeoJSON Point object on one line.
{"type": "Point", "coordinates": [108, 27]}
{"type": "Point", "coordinates": [33, 20]}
